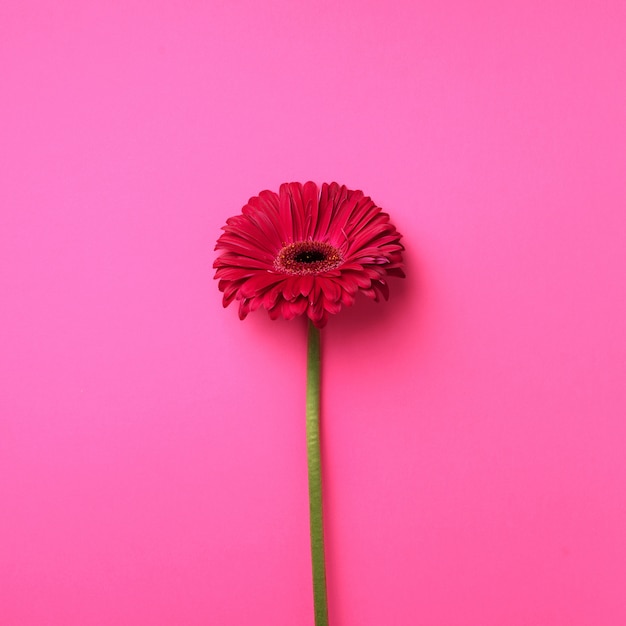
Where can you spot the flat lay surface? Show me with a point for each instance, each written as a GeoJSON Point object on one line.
{"type": "Point", "coordinates": [152, 445]}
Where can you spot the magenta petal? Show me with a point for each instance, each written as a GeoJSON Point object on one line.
{"type": "Point", "coordinates": [259, 282]}
{"type": "Point", "coordinates": [382, 288]}
{"type": "Point", "coordinates": [347, 298]}
{"type": "Point", "coordinates": [244, 309]}
{"type": "Point", "coordinates": [332, 307]}
{"type": "Point", "coordinates": [370, 293]}
{"type": "Point", "coordinates": [293, 309]}
{"type": "Point", "coordinates": [331, 289]}
{"type": "Point", "coordinates": [305, 284]}
{"type": "Point", "coordinates": [311, 205]}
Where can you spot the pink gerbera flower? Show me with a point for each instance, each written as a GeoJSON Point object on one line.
{"type": "Point", "coordinates": [303, 251]}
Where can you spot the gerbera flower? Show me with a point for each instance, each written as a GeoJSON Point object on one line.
{"type": "Point", "coordinates": [306, 251]}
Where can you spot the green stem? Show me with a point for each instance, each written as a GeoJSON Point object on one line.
{"type": "Point", "coordinates": [315, 476]}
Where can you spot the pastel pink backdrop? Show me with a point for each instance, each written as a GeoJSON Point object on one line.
{"type": "Point", "coordinates": [152, 450]}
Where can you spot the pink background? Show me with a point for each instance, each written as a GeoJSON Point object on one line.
{"type": "Point", "coordinates": [152, 451]}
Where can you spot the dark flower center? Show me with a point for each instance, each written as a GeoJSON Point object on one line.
{"type": "Point", "coordinates": [307, 257]}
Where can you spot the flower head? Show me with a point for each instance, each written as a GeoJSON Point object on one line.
{"type": "Point", "coordinates": [307, 251]}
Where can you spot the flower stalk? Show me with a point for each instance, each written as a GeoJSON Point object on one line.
{"type": "Point", "coordinates": [315, 476]}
